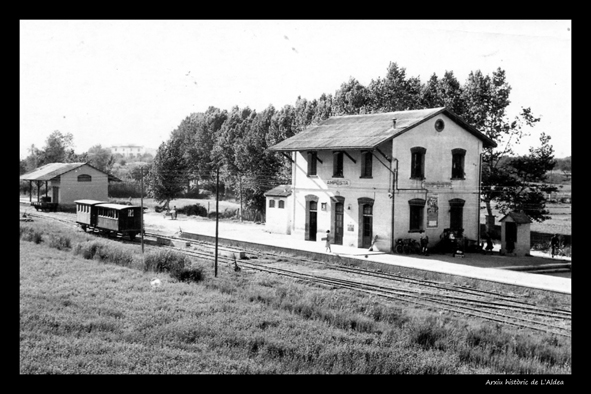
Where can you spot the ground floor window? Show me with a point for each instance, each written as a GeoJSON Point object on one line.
{"type": "Point", "coordinates": [417, 209]}
{"type": "Point", "coordinates": [456, 214]}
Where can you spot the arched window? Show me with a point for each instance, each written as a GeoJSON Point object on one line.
{"type": "Point", "coordinates": [457, 163]}
{"type": "Point", "coordinates": [417, 164]}
{"type": "Point", "coordinates": [312, 158]}
{"type": "Point", "coordinates": [366, 164]}
{"type": "Point", "coordinates": [417, 208]}
{"type": "Point", "coordinates": [337, 164]}
{"type": "Point", "coordinates": [271, 203]}
{"type": "Point", "coordinates": [84, 178]}
{"type": "Point", "coordinates": [456, 213]}
{"type": "Point", "coordinates": [281, 204]}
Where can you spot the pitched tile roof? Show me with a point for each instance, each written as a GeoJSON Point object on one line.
{"type": "Point", "coordinates": [366, 131]}
{"type": "Point", "coordinates": [279, 191]}
{"type": "Point", "coordinates": [518, 217]}
{"type": "Point", "coordinates": [52, 170]}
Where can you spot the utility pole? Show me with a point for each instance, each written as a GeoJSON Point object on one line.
{"type": "Point", "coordinates": [142, 205]}
{"type": "Point", "coordinates": [217, 205]}
{"type": "Point", "coordinates": [240, 198]}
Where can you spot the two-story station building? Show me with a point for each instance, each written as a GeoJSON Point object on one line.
{"type": "Point", "coordinates": [388, 175]}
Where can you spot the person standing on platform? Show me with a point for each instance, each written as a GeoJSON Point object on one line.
{"type": "Point", "coordinates": [424, 243]}
{"type": "Point", "coordinates": [327, 238]}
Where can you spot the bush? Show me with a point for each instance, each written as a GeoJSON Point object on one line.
{"type": "Point", "coordinates": [30, 234]}
{"type": "Point", "coordinates": [195, 209]}
{"type": "Point", "coordinates": [125, 189]}
{"type": "Point", "coordinates": [60, 242]}
{"type": "Point", "coordinates": [166, 261]}
{"type": "Point", "coordinates": [103, 252]}
{"type": "Point", "coordinates": [189, 274]}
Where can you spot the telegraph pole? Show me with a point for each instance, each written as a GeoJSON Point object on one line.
{"type": "Point", "coordinates": [142, 205]}
{"type": "Point", "coordinates": [217, 205]}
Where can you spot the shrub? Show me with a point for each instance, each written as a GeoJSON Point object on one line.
{"type": "Point", "coordinates": [60, 242]}
{"type": "Point", "coordinates": [189, 274]}
{"type": "Point", "coordinates": [103, 252]}
{"type": "Point", "coordinates": [125, 189]}
{"type": "Point", "coordinates": [195, 209]}
{"type": "Point", "coordinates": [30, 234]}
{"type": "Point", "coordinates": [166, 261]}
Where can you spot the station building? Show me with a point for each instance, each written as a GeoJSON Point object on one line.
{"type": "Point", "coordinates": [379, 177]}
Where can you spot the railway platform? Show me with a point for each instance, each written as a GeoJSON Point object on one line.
{"type": "Point", "coordinates": [511, 270]}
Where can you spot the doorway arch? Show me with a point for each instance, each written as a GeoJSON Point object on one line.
{"type": "Point", "coordinates": [365, 221]}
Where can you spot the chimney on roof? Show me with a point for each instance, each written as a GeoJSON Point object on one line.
{"type": "Point", "coordinates": [394, 122]}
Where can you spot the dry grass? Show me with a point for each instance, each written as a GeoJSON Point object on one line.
{"type": "Point", "coordinates": [85, 316]}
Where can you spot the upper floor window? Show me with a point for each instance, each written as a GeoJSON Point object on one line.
{"type": "Point", "coordinates": [281, 204]}
{"type": "Point", "coordinates": [366, 164]}
{"type": "Point", "coordinates": [417, 165]}
{"type": "Point", "coordinates": [271, 203]}
{"type": "Point", "coordinates": [337, 165]}
{"type": "Point", "coordinates": [84, 178]}
{"type": "Point", "coordinates": [312, 159]}
{"type": "Point", "coordinates": [457, 163]}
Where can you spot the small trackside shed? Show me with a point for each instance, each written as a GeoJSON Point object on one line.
{"type": "Point", "coordinates": [515, 234]}
{"type": "Point", "coordinates": [68, 182]}
{"type": "Point", "coordinates": [278, 208]}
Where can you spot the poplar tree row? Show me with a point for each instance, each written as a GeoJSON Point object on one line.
{"type": "Point", "coordinates": [236, 141]}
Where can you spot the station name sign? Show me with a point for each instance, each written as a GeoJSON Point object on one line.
{"type": "Point", "coordinates": [338, 182]}
{"type": "Point", "coordinates": [437, 185]}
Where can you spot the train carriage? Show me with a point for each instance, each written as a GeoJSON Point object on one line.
{"type": "Point", "coordinates": [85, 214]}
{"type": "Point", "coordinates": [109, 219]}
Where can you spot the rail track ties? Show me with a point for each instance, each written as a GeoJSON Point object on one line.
{"type": "Point", "coordinates": [493, 306]}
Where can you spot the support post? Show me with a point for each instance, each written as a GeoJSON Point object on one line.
{"type": "Point", "coordinates": [142, 209]}
{"type": "Point", "coordinates": [217, 205]}
{"type": "Point", "coordinates": [240, 198]}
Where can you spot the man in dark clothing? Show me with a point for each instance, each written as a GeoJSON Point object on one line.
{"type": "Point", "coordinates": [489, 243]}
{"type": "Point", "coordinates": [424, 243]}
{"type": "Point", "coordinates": [554, 243]}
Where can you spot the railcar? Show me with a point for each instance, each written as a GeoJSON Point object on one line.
{"type": "Point", "coordinates": [109, 219]}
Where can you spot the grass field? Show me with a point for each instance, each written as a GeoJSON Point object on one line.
{"type": "Point", "coordinates": [86, 316]}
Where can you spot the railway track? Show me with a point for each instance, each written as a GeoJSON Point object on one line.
{"type": "Point", "coordinates": [442, 297]}
{"type": "Point", "coordinates": [487, 305]}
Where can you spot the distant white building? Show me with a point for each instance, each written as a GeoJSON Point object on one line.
{"type": "Point", "coordinates": [128, 150]}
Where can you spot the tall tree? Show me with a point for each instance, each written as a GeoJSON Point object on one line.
{"type": "Point", "coordinates": [529, 194]}
{"type": "Point", "coordinates": [168, 172]}
{"type": "Point", "coordinates": [350, 99]}
{"type": "Point", "coordinates": [100, 158]}
{"type": "Point", "coordinates": [486, 99]}
{"type": "Point", "coordinates": [57, 147]}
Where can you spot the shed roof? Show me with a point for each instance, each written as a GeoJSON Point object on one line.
{"type": "Point", "coordinates": [118, 207]}
{"type": "Point", "coordinates": [53, 170]}
{"type": "Point", "coordinates": [90, 202]}
{"type": "Point", "coordinates": [279, 191]}
{"type": "Point", "coordinates": [366, 131]}
{"type": "Point", "coordinates": [517, 217]}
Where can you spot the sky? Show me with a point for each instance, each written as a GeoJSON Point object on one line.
{"type": "Point", "coordinates": [113, 82]}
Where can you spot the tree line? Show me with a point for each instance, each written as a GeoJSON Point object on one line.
{"type": "Point", "coordinates": [235, 141]}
